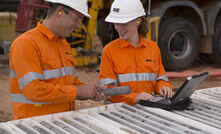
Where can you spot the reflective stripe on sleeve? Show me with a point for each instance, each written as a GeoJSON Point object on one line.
{"type": "Point", "coordinates": [49, 74]}
{"type": "Point", "coordinates": [13, 74]}
{"type": "Point", "coordinates": [56, 73]}
{"type": "Point", "coordinates": [26, 79]}
{"type": "Point", "coordinates": [75, 72]}
{"type": "Point", "coordinates": [163, 77]}
{"type": "Point", "coordinates": [20, 98]}
{"type": "Point", "coordinates": [137, 77]}
{"type": "Point", "coordinates": [108, 81]}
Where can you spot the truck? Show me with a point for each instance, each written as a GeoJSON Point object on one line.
{"type": "Point", "coordinates": [185, 30]}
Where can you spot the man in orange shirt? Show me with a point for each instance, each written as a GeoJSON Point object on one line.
{"type": "Point", "coordinates": [132, 60]}
{"type": "Point", "coordinates": [43, 79]}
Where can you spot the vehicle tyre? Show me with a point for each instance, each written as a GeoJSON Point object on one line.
{"type": "Point", "coordinates": [217, 42]}
{"type": "Point", "coordinates": [179, 42]}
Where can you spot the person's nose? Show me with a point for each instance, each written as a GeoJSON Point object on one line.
{"type": "Point", "coordinates": [78, 24]}
{"type": "Point", "coordinates": [117, 26]}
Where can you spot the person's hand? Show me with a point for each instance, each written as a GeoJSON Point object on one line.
{"type": "Point", "coordinates": [90, 91]}
{"type": "Point", "coordinates": [87, 90]}
{"type": "Point", "coordinates": [143, 96]}
{"type": "Point", "coordinates": [166, 92]}
{"type": "Point", "coordinates": [99, 95]}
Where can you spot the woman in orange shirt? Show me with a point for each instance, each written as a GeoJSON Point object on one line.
{"type": "Point", "coordinates": [131, 60]}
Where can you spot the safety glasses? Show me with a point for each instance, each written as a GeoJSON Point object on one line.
{"type": "Point", "coordinates": [73, 16]}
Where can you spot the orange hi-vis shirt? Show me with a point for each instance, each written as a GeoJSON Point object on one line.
{"type": "Point", "coordinates": [140, 68]}
{"type": "Point", "coordinates": [42, 75]}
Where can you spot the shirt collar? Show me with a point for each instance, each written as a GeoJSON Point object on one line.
{"type": "Point", "coordinates": [126, 44]}
{"type": "Point", "coordinates": [45, 31]}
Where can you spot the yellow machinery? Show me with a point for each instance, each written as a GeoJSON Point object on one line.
{"type": "Point", "coordinates": [84, 55]}
{"type": "Point", "coordinates": [153, 29]}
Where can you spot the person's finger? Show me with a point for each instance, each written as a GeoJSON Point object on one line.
{"type": "Point", "coordinates": [99, 96]}
{"type": "Point", "coordinates": [103, 97]}
{"type": "Point", "coordinates": [169, 93]}
{"type": "Point", "coordinates": [151, 98]}
{"type": "Point", "coordinates": [142, 98]}
{"type": "Point", "coordinates": [96, 95]}
{"type": "Point", "coordinates": [101, 87]}
{"type": "Point", "coordinates": [148, 97]}
{"type": "Point", "coordinates": [165, 93]}
{"type": "Point", "coordinates": [161, 92]}
{"type": "Point", "coordinates": [172, 94]}
{"type": "Point", "coordinates": [94, 98]}
{"type": "Point", "coordinates": [95, 90]}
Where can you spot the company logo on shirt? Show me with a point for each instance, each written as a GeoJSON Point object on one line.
{"type": "Point", "coordinates": [149, 60]}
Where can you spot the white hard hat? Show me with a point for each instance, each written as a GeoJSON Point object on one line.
{"type": "Point", "coordinates": [78, 5]}
{"type": "Point", "coordinates": [123, 11]}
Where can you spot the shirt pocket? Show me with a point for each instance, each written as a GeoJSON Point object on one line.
{"type": "Point", "coordinates": [50, 63]}
{"type": "Point", "coordinates": [151, 67]}
{"type": "Point", "coordinates": [69, 61]}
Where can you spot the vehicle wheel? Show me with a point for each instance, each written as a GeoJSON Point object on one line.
{"type": "Point", "coordinates": [106, 31]}
{"type": "Point", "coordinates": [217, 41]}
{"type": "Point", "coordinates": [179, 43]}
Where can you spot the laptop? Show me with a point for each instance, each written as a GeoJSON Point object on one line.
{"type": "Point", "coordinates": [185, 91]}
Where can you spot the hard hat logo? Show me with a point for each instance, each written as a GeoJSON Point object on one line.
{"type": "Point", "coordinates": [123, 11]}
{"type": "Point", "coordinates": [116, 10]}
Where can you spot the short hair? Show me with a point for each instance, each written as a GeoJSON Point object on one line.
{"type": "Point", "coordinates": [54, 6]}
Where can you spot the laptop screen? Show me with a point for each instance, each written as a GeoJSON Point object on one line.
{"type": "Point", "coordinates": [188, 87]}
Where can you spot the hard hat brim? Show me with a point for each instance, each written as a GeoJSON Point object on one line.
{"type": "Point", "coordinates": [85, 14]}
{"type": "Point", "coordinates": [71, 5]}
{"type": "Point", "coordinates": [113, 19]}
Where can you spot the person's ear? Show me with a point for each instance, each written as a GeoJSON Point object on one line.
{"type": "Point", "coordinates": [59, 11]}
{"type": "Point", "coordinates": [138, 21]}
